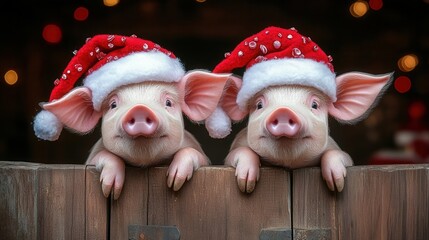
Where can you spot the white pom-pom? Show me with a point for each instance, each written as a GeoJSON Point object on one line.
{"type": "Point", "coordinates": [218, 124]}
{"type": "Point", "coordinates": [47, 126]}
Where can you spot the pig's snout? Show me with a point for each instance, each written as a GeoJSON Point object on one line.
{"type": "Point", "coordinates": [283, 122]}
{"type": "Point", "coordinates": [140, 121]}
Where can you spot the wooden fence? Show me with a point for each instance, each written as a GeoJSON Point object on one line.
{"type": "Point", "coordinates": [39, 201]}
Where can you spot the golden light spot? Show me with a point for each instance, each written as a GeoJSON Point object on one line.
{"type": "Point", "coordinates": [11, 77]}
{"type": "Point", "coordinates": [408, 62]}
{"type": "Point", "coordinates": [358, 9]}
{"type": "Point", "coordinates": [110, 3]}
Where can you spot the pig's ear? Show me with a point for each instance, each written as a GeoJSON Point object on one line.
{"type": "Point", "coordinates": [219, 123]}
{"type": "Point", "coordinates": [229, 100]}
{"type": "Point", "coordinates": [202, 91]}
{"type": "Point", "coordinates": [357, 93]}
{"type": "Point", "coordinates": [75, 110]}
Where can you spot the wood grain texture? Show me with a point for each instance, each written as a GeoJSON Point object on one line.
{"type": "Point", "coordinates": [131, 207]}
{"type": "Point", "coordinates": [210, 205]}
{"type": "Point", "coordinates": [385, 202]}
{"type": "Point", "coordinates": [96, 207]}
{"type": "Point", "coordinates": [378, 202]}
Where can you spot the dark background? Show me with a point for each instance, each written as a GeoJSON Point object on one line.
{"type": "Point", "coordinates": [199, 34]}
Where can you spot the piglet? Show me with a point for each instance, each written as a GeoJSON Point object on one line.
{"type": "Point", "coordinates": [140, 91]}
{"type": "Point", "coordinates": [142, 125]}
{"type": "Point", "coordinates": [288, 127]}
{"type": "Point", "coordinates": [288, 89]}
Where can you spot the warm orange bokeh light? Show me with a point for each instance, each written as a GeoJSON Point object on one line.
{"type": "Point", "coordinates": [358, 9]}
{"type": "Point", "coordinates": [11, 77]}
{"type": "Point", "coordinates": [110, 3]}
{"type": "Point", "coordinates": [81, 13]}
{"type": "Point", "coordinates": [408, 62]}
{"type": "Point", "coordinates": [52, 33]}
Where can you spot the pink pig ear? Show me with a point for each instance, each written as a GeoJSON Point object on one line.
{"type": "Point", "coordinates": [202, 91]}
{"type": "Point", "coordinates": [229, 100]}
{"type": "Point", "coordinates": [357, 93]}
{"type": "Point", "coordinates": [218, 124]}
{"type": "Point", "coordinates": [75, 110]}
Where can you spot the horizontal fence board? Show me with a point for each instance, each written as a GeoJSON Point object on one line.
{"type": "Point", "coordinates": [40, 201]}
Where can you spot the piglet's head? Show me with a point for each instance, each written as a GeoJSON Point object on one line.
{"type": "Point", "coordinates": [111, 62]}
{"type": "Point", "coordinates": [283, 57]}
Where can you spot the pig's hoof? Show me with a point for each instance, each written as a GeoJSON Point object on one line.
{"type": "Point", "coordinates": [246, 186]}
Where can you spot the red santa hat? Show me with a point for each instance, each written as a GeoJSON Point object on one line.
{"type": "Point", "coordinates": [274, 56]}
{"type": "Point", "coordinates": [107, 62]}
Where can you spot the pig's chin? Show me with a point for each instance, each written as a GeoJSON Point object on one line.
{"type": "Point", "coordinates": [288, 152]}
{"type": "Point", "coordinates": [145, 151]}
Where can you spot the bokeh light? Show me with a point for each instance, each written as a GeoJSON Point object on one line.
{"type": "Point", "coordinates": [11, 77]}
{"type": "Point", "coordinates": [417, 110]}
{"type": "Point", "coordinates": [358, 9]}
{"type": "Point", "coordinates": [408, 62]}
{"type": "Point", "coordinates": [376, 4]}
{"type": "Point", "coordinates": [52, 33]}
{"type": "Point", "coordinates": [402, 84]}
{"type": "Point", "coordinates": [81, 13]}
{"type": "Point", "coordinates": [110, 3]}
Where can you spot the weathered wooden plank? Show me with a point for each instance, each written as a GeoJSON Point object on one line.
{"type": "Point", "coordinates": [18, 194]}
{"type": "Point", "coordinates": [267, 207]}
{"type": "Point", "coordinates": [131, 207]}
{"type": "Point", "coordinates": [61, 202]}
{"type": "Point", "coordinates": [385, 202]}
{"type": "Point", "coordinates": [313, 204]}
{"type": "Point", "coordinates": [97, 207]}
{"type": "Point", "coordinates": [378, 202]}
{"type": "Point", "coordinates": [210, 206]}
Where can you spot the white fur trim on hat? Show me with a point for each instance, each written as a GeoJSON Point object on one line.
{"type": "Point", "coordinates": [218, 124]}
{"type": "Point", "coordinates": [296, 71]}
{"type": "Point", "coordinates": [133, 68]}
{"type": "Point", "coordinates": [47, 126]}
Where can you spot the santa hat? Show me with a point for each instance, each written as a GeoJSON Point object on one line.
{"type": "Point", "coordinates": [107, 62]}
{"type": "Point", "coordinates": [274, 56]}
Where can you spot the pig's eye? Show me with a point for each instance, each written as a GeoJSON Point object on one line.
{"type": "Point", "coordinates": [314, 105]}
{"type": "Point", "coordinates": [259, 105]}
{"type": "Point", "coordinates": [113, 105]}
{"type": "Point", "coordinates": [168, 103]}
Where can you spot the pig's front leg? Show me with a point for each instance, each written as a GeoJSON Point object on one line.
{"type": "Point", "coordinates": [245, 161]}
{"type": "Point", "coordinates": [111, 168]}
{"type": "Point", "coordinates": [185, 161]}
{"type": "Point", "coordinates": [333, 164]}
{"type": "Point", "coordinates": [247, 164]}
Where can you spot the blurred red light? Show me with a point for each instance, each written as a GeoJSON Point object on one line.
{"type": "Point", "coordinates": [417, 110]}
{"type": "Point", "coordinates": [375, 4]}
{"type": "Point", "coordinates": [402, 84]}
{"type": "Point", "coordinates": [52, 33]}
{"type": "Point", "coordinates": [81, 14]}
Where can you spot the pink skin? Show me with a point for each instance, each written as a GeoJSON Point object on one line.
{"type": "Point", "coordinates": [142, 125]}
{"type": "Point", "coordinates": [290, 128]}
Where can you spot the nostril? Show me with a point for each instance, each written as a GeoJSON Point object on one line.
{"type": "Point", "coordinates": [148, 120]}
{"type": "Point", "coordinates": [275, 122]}
{"type": "Point", "coordinates": [291, 122]}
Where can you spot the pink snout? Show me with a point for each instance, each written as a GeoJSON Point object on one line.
{"type": "Point", "coordinates": [140, 121]}
{"type": "Point", "coordinates": [283, 122]}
